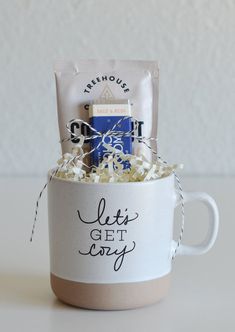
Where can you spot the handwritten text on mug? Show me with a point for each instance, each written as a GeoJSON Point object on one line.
{"type": "Point", "coordinates": [109, 235]}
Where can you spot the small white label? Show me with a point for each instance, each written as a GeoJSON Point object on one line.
{"type": "Point", "coordinates": [109, 110]}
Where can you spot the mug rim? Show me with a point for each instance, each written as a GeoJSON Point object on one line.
{"type": "Point", "coordinates": [137, 183]}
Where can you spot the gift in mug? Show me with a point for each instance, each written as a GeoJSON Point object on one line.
{"type": "Point", "coordinates": [111, 244]}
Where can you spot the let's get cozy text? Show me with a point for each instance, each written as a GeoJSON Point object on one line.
{"type": "Point", "coordinates": [108, 234]}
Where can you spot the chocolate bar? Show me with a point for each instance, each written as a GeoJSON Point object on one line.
{"type": "Point", "coordinates": [103, 117]}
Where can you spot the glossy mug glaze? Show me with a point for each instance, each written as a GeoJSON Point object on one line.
{"type": "Point", "coordinates": [111, 244]}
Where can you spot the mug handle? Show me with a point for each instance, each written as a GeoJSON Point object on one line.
{"type": "Point", "coordinates": [213, 226]}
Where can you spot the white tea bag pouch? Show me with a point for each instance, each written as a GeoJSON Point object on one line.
{"type": "Point", "coordinates": [81, 83]}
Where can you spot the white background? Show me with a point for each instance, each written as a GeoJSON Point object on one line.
{"type": "Point", "coordinates": [194, 42]}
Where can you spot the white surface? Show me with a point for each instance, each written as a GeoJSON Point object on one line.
{"type": "Point", "coordinates": [202, 293]}
{"type": "Point", "coordinates": [193, 41]}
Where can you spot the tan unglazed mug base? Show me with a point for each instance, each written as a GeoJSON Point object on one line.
{"type": "Point", "coordinates": [110, 296]}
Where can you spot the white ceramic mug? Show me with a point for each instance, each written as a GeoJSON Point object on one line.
{"type": "Point", "coordinates": [111, 244]}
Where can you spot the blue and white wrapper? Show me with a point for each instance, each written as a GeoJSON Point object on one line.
{"type": "Point", "coordinates": [103, 117]}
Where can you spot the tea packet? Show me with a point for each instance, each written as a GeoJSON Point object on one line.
{"type": "Point", "coordinates": [82, 83]}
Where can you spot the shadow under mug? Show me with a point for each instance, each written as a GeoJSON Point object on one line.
{"type": "Point", "coordinates": [111, 244]}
